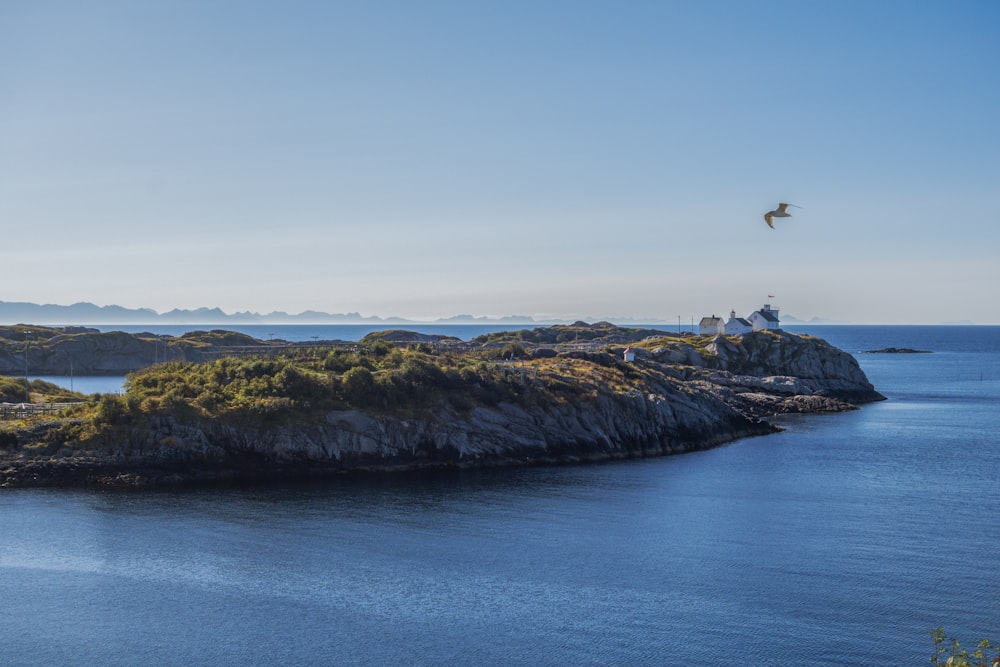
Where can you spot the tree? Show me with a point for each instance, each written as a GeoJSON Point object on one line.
{"type": "Point", "coordinates": [359, 385]}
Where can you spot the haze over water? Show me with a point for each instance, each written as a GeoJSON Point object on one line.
{"type": "Point", "coordinates": [843, 540]}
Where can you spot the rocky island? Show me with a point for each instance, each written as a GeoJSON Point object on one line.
{"type": "Point", "coordinates": [235, 408]}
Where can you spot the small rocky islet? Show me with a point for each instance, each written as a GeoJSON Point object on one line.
{"type": "Point", "coordinates": [221, 406]}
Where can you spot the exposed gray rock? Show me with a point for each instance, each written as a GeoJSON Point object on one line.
{"type": "Point", "coordinates": [809, 365]}
{"type": "Point", "coordinates": [666, 421]}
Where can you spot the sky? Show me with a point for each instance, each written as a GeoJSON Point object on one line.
{"type": "Point", "coordinates": [563, 159]}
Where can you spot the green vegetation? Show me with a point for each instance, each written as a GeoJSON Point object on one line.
{"type": "Point", "coordinates": [12, 391]}
{"type": "Point", "coordinates": [219, 337]}
{"type": "Point", "coordinates": [950, 652]}
{"type": "Point", "coordinates": [403, 336]}
{"type": "Point", "coordinates": [376, 377]}
{"type": "Point", "coordinates": [578, 332]}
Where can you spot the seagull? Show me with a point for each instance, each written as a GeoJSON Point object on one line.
{"type": "Point", "coordinates": [780, 212]}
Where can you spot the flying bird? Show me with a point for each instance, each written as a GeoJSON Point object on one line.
{"type": "Point", "coordinates": [780, 212]}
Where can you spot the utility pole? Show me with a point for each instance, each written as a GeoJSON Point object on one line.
{"type": "Point", "coordinates": [27, 386]}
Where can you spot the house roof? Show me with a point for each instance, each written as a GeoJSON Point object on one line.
{"type": "Point", "coordinates": [710, 320]}
{"type": "Point", "coordinates": [740, 320]}
{"type": "Point", "coordinates": [768, 315]}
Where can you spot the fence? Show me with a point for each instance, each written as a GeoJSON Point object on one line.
{"type": "Point", "coordinates": [24, 410]}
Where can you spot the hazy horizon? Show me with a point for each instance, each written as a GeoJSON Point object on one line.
{"type": "Point", "coordinates": [555, 160]}
{"type": "Point", "coordinates": [301, 318]}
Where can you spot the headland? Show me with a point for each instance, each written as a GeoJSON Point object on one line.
{"type": "Point", "coordinates": [225, 407]}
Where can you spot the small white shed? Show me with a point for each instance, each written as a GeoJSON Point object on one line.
{"type": "Point", "coordinates": [711, 325]}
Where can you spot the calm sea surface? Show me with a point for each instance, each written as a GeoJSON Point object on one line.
{"type": "Point", "coordinates": [843, 540]}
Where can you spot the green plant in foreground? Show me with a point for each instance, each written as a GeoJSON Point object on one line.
{"type": "Point", "coordinates": [950, 652]}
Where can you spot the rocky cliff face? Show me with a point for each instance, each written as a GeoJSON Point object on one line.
{"type": "Point", "coordinates": [685, 396]}
{"type": "Point", "coordinates": [665, 421]}
{"type": "Point", "coordinates": [768, 373]}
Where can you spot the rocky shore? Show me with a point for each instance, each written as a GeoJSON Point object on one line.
{"type": "Point", "coordinates": [677, 395]}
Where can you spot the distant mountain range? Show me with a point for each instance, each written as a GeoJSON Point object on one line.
{"type": "Point", "coordinates": [13, 312]}
{"type": "Point", "coordinates": [88, 313]}
{"type": "Point", "coordinates": [791, 319]}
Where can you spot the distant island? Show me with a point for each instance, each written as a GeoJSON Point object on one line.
{"type": "Point", "coordinates": [227, 407]}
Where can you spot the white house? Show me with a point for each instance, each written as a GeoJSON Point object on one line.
{"type": "Point", "coordinates": [737, 325]}
{"type": "Point", "coordinates": [629, 354]}
{"type": "Point", "coordinates": [765, 319]}
{"type": "Point", "coordinates": [711, 325]}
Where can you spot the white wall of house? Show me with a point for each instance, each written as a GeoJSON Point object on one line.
{"type": "Point", "coordinates": [711, 325]}
{"type": "Point", "coordinates": [737, 325]}
{"type": "Point", "coordinates": [764, 320]}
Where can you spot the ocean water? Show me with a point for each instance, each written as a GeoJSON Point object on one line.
{"type": "Point", "coordinates": [86, 384]}
{"type": "Point", "coordinates": [843, 540]}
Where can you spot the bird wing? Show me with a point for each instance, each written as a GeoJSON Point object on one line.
{"type": "Point", "coordinates": [768, 219]}
{"type": "Point", "coordinates": [783, 207]}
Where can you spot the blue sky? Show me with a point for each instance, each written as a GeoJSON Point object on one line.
{"type": "Point", "coordinates": [556, 159]}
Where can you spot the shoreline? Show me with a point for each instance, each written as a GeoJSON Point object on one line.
{"type": "Point", "coordinates": [85, 472]}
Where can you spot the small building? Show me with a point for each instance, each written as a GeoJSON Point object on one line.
{"type": "Point", "coordinates": [765, 319]}
{"type": "Point", "coordinates": [629, 354]}
{"type": "Point", "coordinates": [711, 325]}
{"type": "Point", "coordinates": [737, 325]}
